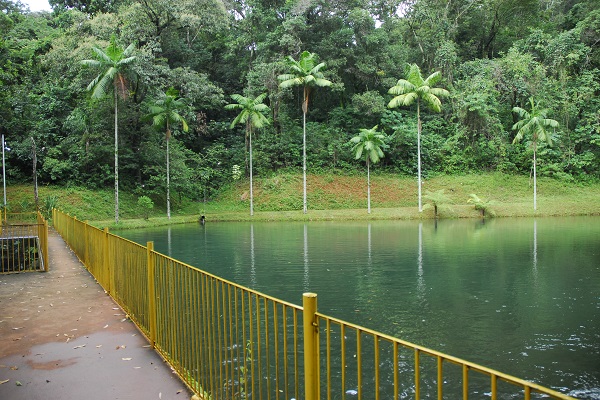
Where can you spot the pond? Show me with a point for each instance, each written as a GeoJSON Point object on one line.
{"type": "Point", "coordinates": [518, 295]}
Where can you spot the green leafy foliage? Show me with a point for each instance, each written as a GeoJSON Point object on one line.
{"type": "Point", "coordinates": [146, 204]}
{"type": "Point", "coordinates": [491, 57]}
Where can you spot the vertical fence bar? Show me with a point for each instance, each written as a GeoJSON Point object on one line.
{"type": "Point", "coordinates": [376, 366]}
{"type": "Point", "coordinates": [396, 361]}
{"type": "Point", "coordinates": [107, 265]}
{"type": "Point", "coordinates": [417, 375]}
{"type": "Point", "coordinates": [311, 346]}
{"type": "Point", "coordinates": [359, 364]}
{"type": "Point", "coordinates": [86, 256]}
{"type": "Point", "coordinates": [45, 246]}
{"type": "Point", "coordinates": [440, 377]}
{"type": "Point", "coordinates": [328, 350]}
{"type": "Point", "coordinates": [343, 356]}
{"type": "Point", "coordinates": [296, 368]}
{"type": "Point", "coordinates": [151, 295]}
{"type": "Point", "coordinates": [466, 382]}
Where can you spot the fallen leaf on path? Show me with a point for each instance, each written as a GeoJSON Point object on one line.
{"type": "Point", "coordinates": [126, 359]}
{"type": "Point", "coordinates": [18, 383]}
{"type": "Point", "coordinates": [98, 346]}
{"type": "Point", "coordinates": [3, 382]}
{"type": "Point", "coordinates": [80, 346]}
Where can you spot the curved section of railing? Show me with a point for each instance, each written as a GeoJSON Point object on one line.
{"type": "Point", "coordinates": [230, 342]}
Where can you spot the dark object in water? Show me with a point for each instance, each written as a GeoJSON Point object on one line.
{"type": "Point", "coordinates": [202, 220]}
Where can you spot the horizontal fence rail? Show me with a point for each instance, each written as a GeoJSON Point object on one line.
{"type": "Point", "coordinates": [230, 342]}
{"type": "Point", "coordinates": [23, 243]}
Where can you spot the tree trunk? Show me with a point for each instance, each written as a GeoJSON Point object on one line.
{"type": "Point", "coordinates": [251, 188]}
{"type": "Point", "coordinates": [534, 179]}
{"type": "Point", "coordinates": [368, 187]}
{"type": "Point", "coordinates": [116, 158]}
{"type": "Point", "coordinates": [168, 181]}
{"type": "Point", "coordinates": [304, 111]}
{"type": "Point", "coordinates": [35, 185]}
{"type": "Point", "coordinates": [419, 154]}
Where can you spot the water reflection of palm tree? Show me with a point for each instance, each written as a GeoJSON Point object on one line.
{"type": "Point", "coordinates": [535, 260]}
{"type": "Point", "coordinates": [252, 259]}
{"type": "Point", "coordinates": [306, 270]}
{"type": "Point", "coordinates": [169, 242]}
{"type": "Point", "coordinates": [369, 252]}
{"type": "Point", "coordinates": [420, 279]}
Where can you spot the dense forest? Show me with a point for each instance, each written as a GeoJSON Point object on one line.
{"type": "Point", "coordinates": [58, 114]}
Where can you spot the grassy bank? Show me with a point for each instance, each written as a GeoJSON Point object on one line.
{"type": "Point", "coordinates": [330, 197]}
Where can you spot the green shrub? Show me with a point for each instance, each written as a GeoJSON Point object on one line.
{"type": "Point", "coordinates": [50, 202]}
{"type": "Point", "coordinates": [146, 204]}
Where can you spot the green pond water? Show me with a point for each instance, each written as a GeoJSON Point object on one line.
{"type": "Point", "coordinates": [518, 295]}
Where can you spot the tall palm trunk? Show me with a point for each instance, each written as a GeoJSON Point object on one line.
{"type": "Point", "coordinates": [368, 187]}
{"type": "Point", "coordinates": [419, 153]}
{"type": "Point", "coordinates": [534, 178]}
{"type": "Point", "coordinates": [116, 157]}
{"type": "Point", "coordinates": [304, 111]}
{"type": "Point", "coordinates": [250, 148]}
{"type": "Point", "coordinates": [168, 179]}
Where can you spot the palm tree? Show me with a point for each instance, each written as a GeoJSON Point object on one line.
{"type": "Point", "coordinates": [535, 123]}
{"type": "Point", "coordinates": [306, 73]}
{"type": "Point", "coordinates": [437, 199]}
{"type": "Point", "coordinates": [415, 88]}
{"type": "Point", "coordinates": [113, 63]}
{"type": "Point", "coordinates": [251, 114]}
{"type": "Point", "coordinates": [371, 143]}
{"type": "Point", "coordinates": [482, 205]}
{"type": "Point", "coordinates": [164, 113]}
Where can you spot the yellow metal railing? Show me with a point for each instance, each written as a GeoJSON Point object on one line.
{"type": "Point", "coordinates": [230, 342]}
{"type": "Point", "coordinates": [23, 243]}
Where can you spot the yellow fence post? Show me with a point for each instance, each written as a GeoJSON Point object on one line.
{"type": "Point", "coordinates": [86, 256]}
{"type": "Point", "coordinates": [151, 295]}
{"type": "Point", "coordinates": [107, 267]}
{"type": "Point", "coordinates": [45, 247]}
{"type": "Point", "coordinates": [311, 346]}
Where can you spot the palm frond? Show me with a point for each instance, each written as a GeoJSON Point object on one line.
{"type": "Point", "coordinates": [432, 101]}
{"type": "Point", "coordinates": [414, 75]}
{"type": "Point", "coordinates": [403, 100]}
{"type": "Point", "coordinates": [432, 79]}
{"type": "Point", "coordinates": [321, 82]}
{"type": "Point", "coordinates": [403, 86]}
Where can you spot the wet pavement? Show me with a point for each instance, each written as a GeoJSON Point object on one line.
{"type": "Point", "coordinates": [63, 337]}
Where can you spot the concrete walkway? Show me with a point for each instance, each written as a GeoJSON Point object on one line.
{"type": "Point", "coordinates": [62, 337]}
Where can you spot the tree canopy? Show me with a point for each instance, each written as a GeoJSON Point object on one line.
{"type": "Point", "coordinates": [491, 56]}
